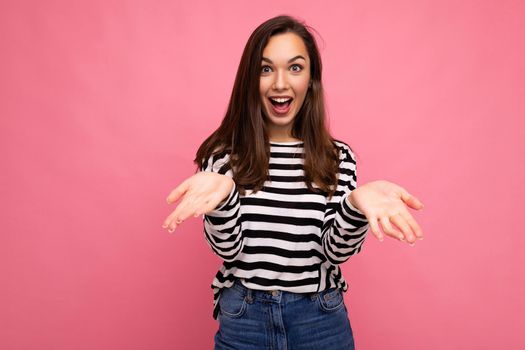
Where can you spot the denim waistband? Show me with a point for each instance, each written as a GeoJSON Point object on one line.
{"type": "Point", "coordinates": [272, 295]}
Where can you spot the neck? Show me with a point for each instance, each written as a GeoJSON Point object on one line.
{"type": "Point", "coordinates": [288, 139]}
{"type": "Point", "coordinates": [281, 135]}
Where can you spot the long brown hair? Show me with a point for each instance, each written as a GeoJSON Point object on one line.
{"type": "Point", "coordinates": [242, 132]}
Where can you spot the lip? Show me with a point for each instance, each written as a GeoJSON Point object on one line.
{"type": "Point", "coordinates": [275, 112]}
{"type": "Point", "coordinates": [283, 96]}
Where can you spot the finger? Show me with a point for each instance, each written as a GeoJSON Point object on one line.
{"type": "Point", "coordinates": [413, 224]}
{"type": "Point", "coordinates": [185, 209]}
{"type": "Point", "coordinates": [169, 223]}
{"type": "Point", "coordinates": [173, 220]}
{"type": "Point", "coordinates": [191, 207]}
{"type": "Point", "coordinates": [374, 227]}
{"type": "Point", "coordinates": [401, 223]}
{"type": "Point", "coordinates": [411, 201]}
{"type": "Point", "coordinates": [389, 230]}
{"type": "Point", "coordinates": [177, 192]}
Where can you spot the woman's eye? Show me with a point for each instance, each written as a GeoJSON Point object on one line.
{"type": "Point", "coordinates": [295, 68]}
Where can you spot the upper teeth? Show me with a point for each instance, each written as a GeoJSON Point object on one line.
{"type": "Point", "coordinates": [281, 99]}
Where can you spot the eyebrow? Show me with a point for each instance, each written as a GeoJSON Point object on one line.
{"type": "Point", "coordinates": [290, 60]}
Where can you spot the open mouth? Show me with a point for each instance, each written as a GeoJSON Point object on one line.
{"type": "Point", "coordinates": [281, 105]}
{"type": "Point", "coordinates": [281, 102]}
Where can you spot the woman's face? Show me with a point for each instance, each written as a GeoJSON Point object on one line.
{"type": "Point", "coordinates": [284, 79]}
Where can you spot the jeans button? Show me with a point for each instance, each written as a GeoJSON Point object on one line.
{"type": "Point", "coordinates": [275, 293]}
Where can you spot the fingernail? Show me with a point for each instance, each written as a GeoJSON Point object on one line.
{"type": "Point", "coordinates": [420, 238]}
{"type": "Point", "coordinates": [171, 230]}
{"type": "Point", "coordinates": [411, 244]}
{"type": "Point", "coordinates": [167, 201]}
{"type": "Point", "coordinates": [164, 225]}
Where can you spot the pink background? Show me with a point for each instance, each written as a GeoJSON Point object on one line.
{"type": "Point", "coordinates": [104, 103]}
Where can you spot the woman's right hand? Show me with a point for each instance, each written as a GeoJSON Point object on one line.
{"type": "Point", "coordinates": [200, 193]}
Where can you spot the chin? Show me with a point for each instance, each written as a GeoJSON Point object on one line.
{"type": "Point", "coordinates": [281, 121]}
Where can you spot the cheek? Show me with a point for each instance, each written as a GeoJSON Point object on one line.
{"type": "Point", "coordinates": [302, 85]}
{"type": "Point", "coordinates": [262, 95]}
{"type": "Point", "coordinates": [263, 86]}
{"type": "Point", "coordinates": [302, 89]}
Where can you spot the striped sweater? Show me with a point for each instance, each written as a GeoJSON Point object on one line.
{"type": "Point", "coordinates": [285, 236]}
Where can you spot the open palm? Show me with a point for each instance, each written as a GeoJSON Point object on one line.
{"type": "Point", "coordinates": [200, 193]}
{"type": "Point", "coordinates": [385, 203]}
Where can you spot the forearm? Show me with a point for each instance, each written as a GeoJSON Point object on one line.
{"type": "Point", "coordinates": [222, 227]}
{"type": "Point", "coordinates": [346, 235]}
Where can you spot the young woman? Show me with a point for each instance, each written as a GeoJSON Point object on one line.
{"type": "Point", "coordinates": [280, 202]}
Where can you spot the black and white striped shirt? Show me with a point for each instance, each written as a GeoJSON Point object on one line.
{"type": "Point", "coordinates": [285, 236]}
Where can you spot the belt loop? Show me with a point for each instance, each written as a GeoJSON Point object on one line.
{"type": "Point", "coordinates": [249, 296]}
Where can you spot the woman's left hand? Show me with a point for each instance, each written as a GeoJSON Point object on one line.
{"type": "Point", "coordinates": [386, 203]}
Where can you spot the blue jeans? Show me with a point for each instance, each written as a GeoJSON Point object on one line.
{"type": "Point", "coordinates": [278, 320]}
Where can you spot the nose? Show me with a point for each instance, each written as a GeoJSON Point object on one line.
{"type": "Point", "coordinates": [280, 82]}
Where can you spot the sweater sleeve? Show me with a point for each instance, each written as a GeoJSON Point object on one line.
{"type": "Point", "coordinates": [345, 229]}
{"type": "Point", "coordinates": [222, 226]}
